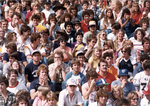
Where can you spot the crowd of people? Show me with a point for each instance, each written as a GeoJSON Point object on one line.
{"type": "Point", "coordinates": [74, 52]}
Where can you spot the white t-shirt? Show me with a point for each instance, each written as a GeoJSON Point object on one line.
{"type": "Point", "coordinates": [141, 81]}
{"type": "Point", "coordinates": [47, 13]}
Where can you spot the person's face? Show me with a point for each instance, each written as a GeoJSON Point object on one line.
{"type": "Point", "coordinates": [62, 43]}
{"type": "Point", "coordinates": [10, 13]}
{"type": "Point", "coordinates": [109, 13]}
{"type": "Point", "coordinates": [15, 19]}
{"type": "Point", "coordinates": [15, 65]}
{"type": "Point", "coordinates": [8, 50]}
{"type": "Point", "coordinates": [103, 100]}
{"type": "Point", "coordinates": [120, 35]}
{"type": "Point", "coordinates": [38, 41]}
{"type": "Point", "coordinates": [11, 59]}
{"type": "Point", "coordinates": [67, 19]}
{"type": "Point", "coordinates": [81, 58]}
{"type": "Point", "coordinates": [59, 12]}
{"type": "Point", "coordinates": [97, 53]}
{"type": "Point", "coordinates": [27, 34]}
{"type": "Point", "coordinates": [123, 77]}
{"type": "Point", "coordinates": [103, 66]}
{"type": "Point", "coordinates": [146, 45]}
{"type": "Point", "coordinates": [35, 22]}
{"type": "Point", "coordinates": [124, 52]}
{"type": "Point", "coordinates": [144, 25]}
{"type": "Point", "coordinates": [116, 93]}
{"type": "Point", "coordinates": [43, 73]}
{"type": "Point", "coordinates": [77, 26]}
{"type": "Point", "coordinates": [76, 67]}
{"type": "Point", "coordinates": [71, 89]}
{"type": "Point", "coordinates": [2, 32]}
{"type": "Point", "coordinates": [85, 6]}
{"type": "Point", "coordinates": [139, 35]}
{"type": "Point", "coordinates": [69, 28]}
{"type": "Point", "coordinates": [40, 94]}
{"type": "Point", "coordinates": [52, 102]}
{"type": "Point", "coordinates": [47, 6]}
{"type": "Point", "coordinates": [44, 37]}
{"type": "Point", "coordinates": [2, 86]}
{"type": "Point", "coordinates": [147, 4]}
{"type": "Point", "coordinates": [23, 103]}
{"type": "Point", "coordinates": [94, 2]}
{"type": "Point", "coordinates": [93, 42]}
{"type": "Point", "coordinates": [126, 16]}
{"type": "Point", "coordinates": [4, 25]}
{"type": "Point", "coordinates": [86, 18]}
{"type": "Point", "coordinates": [18, 10]}
{"type": "Point", "coordinates": [74, 11]}
{"type": "Point", "coordinates": [79, 38]}
{"type": "Point", "coordinates": [36, 57]}
{"type": "Point", "coordinates": [93, 28]}
{"type": "Point", "coordinates": [13, 77]}
{"type": "Point", "coordinates": [57, 57]}
{"type": "Point", "coordinates": [134, 101]}
{"type": "Point", "coordinates": [14, 38]}
{"type": "Point", "coordinates": [106, 47]}
{"type": "Point", "coordinates": [66, 5]}
{"type": "Point", "coordinates": [36, 7]}
{"type": "Point", "coordinates": [103, 35]}
{"type": "Point", "coordinates": [109, 61]}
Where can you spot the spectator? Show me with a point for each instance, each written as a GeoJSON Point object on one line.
{"type": "Point", "coordinates": [146, 99]}
{"type": "Point", "coordinates": [52, 98]}
{"type": "Point", "coordinates": [133, 99]}
{"type": "Point", "coordinates": [69, 96]}
{"type": "Point", "coordinates": [7, 98]}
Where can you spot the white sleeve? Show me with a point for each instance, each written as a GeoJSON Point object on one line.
{"type": "Point", "coordinates": [136, 80]}
{"type": "Point", "coordinates": [27, 51]}
{"type": "Point", "coordinates": [61, 99]}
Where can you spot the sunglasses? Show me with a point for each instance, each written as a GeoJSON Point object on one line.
{"type": "Point", "coordinates": [72, 86]}
{"type": "Point", "coordinates": [123, 51]}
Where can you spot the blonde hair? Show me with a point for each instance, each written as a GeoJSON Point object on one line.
{"type": "Point", "coordinates": [44, 90]}
{"type": "Point", "coordinates": [51, 95]}
{"type": "Point", "coordinates": [119, 88]}
{"type": "Point", "coordinates": [98, 38]}
{"type": "Point", "coordinates": [131, 95]}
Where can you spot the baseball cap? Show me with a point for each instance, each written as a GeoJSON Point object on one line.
{"type": "Point", "coordinates": [79, 52]}
{"type": "Point", "coordinates": [147, 90]}
{"type": "Point", "coordinates": [123, 72]}
{"type": "Point", "coordinates": [101, 82]}
{"type": "Point", "coordinates": [92, 23]}
{"type": "Point", "coordinates": [36, 51]}
{"type": "Point", "coordinates": [71, 81]}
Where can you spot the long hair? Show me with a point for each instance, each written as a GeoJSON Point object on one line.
{"type": "Point", "coordinates": [118, 87]}
{"type": "Point", "coordinates": [111, 18]}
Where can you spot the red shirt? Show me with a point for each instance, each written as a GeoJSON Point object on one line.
{"type": "Point", "coordinates": [137, 17]}
{"type": "Point", "coordinates": [109, 79]}
{"type": "Point", "coordinates": [84, 26]}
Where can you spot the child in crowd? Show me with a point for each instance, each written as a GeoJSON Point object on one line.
{"type": "Point", "coordinates": [51, 98]}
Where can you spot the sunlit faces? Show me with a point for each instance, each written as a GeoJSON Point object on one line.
{"type": "Point", "coordinates": [69, 28]}
{"type": "Point", "coordinates": [13, 77]}
{"type": "Point", "coordinates": [92, 28]}
{"type": "Point", "coordinates": [36, 57]}
{"type": "Point", "coordinates": [103, 100]}
{"type": "Point", "coordinates": [2, 86]}
{"type": "Point", "coordinates": [52, 102]}
{"type": "Point", "coordinates": [23, 103]}
{"type": "Point", "coordinates": [79, 38]}
{"type": "Point", "coordinates": [1, 33]}
{"type": "Point", "coordinates": [15, 65]}
{"type": "Point", "coordinates": [15, 19]}
{"type": "Point", "coordinates": [35, 22]}
{"type": "Point", "coordinates": [123, 77]}
{"type": "Point", "coordinates": [134, 101]}
{"type": "Point", "coordinates": [103, 35]}
{"type": "Point", "coordinates": [76, 67]}
{"type": "Point", "coordinates": [62, 42]}
{"type": "Point", "coordinates": [120, 35]}
{"type": "Point", "coordinates": [109, 13]}
{"type": "Point", "coordinates": [92, 42]}
{"type": "Point", "coordinates": [97, 52]}
{"type": "Point", "coordinates": [81, 58]}
{"type": "Point", "coordinates": [71, 89]}
{"type": "Point", "coordinates": [10, 13]}
{"type": "Point", "coordinates": [116, 93]}
{"type": "Point", "coordinates": [43, 73]}
{"type": "Point", "coordinates": [4, 25]}
{"type": "Point", "coordinates": [139, 35]}
{"type": "Point", "coordinates": [85, 6]}
{"type": "Point", "coordinates": [146, 45]}
{"type": "Point", "coordinates": [86, 18]}
{"type": "Point", "coordinates": [109, 61]}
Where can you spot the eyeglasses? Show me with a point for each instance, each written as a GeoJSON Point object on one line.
{"type": "Point", "coordinates": [135, 98]}
{"type": "Point", "coordinates": [57, 57]}
{"type": "Point", "coordinates": [62, 41]}
{"type": "Point", "coordinates": [72, 86]}
{"type": "Point", "coordinates": [123, 51]}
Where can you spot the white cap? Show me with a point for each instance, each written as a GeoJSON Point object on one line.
{"type": "Point", "coordinates": [71, 81]}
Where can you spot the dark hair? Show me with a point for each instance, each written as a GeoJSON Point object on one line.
{"type": "Point", "coordinates": [66, 1]}
{"type": "Point", "coordinates": [23, 92]}
{"type": "Point", "coordinates": [121, 102]}
{"type": "Point", "coordinates": [46, 31]}
{"type": "Point", "coordinates": [72, 7]}
{"type": "Point", "coordinates": [146, 64]}
{"type": "Point", "coordinates": [12, 46]}
{"type": "Point", "coordinates": [10, 36]}
{"type": "Point", "coordinates": [144, 20]}
{"type": "Point", "coordinates": [24, 28]}
{"type": "Point", "coordinates": [17, 14]}
{"type": "Point", "coordinates": [127, 49]}
{"type": "Point", "coordinates": [91, 11]}
{"type": "Point", "coordinates": [4, 79]}
{"type": "Point", "coordinates": [37, 17]}
{"type": "Point", "coordinates": [144, 57]}
{"type": "Point", "coordinates": [59, 53]}
{"type": "Point", "coordinates": [34, 37]}
{"type": "Point", "coordinates": [79, 33]}
{"type": "Point", "coordinates": [142, 32]}
{"type": "Point", "coordinates": [145, 39]}
{"type": "Point", "coordinates": [14, 55]}
{"type": "Point", "coordinates": [107, 54]}
{"type": "Point", "coordinates": [125, 11]}
{"type": "Point", "coordinates": [64, 16]}
{"type": "Point", "coordinates": [51, 16]}
{"type": "Point", "coordinates": [68, 23]}
{"type": "Point", "coordinates": [116, 26]}
{"type": "Point", "coordinates": [92, 74]}
{"type": "Point", "coordinates": [101, 93]}
{"type": "Point", "coordinates": [85, 13]}
{"type": "Point", "coordinates": [85, 2]}
{"type": "Point", "coordinates": [75, 61]}
{"type": "Point", "coordinates": [12, 71]}
{"type": "Point", "coordinates": [41, 67]}
{"type": "Point", "coordinates": [22, 98]}
{"type": "Point", "coordinates": [102, 60]}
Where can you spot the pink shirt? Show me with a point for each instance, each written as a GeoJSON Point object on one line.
{"type": "Point", "coordinates": [39, 102]}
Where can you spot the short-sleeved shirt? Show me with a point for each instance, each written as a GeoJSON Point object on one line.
{"type": "Point", "coordinates": [113, 70]}
{"type": "Point", "coordinates": [64, 98]}
{"type": "Point", "coordinates": [21, 57]}
{"type": "Point", "coordinates": [35, 84]}
{"type": "Point", "coordinates": [109, 79]}
{"type": "Point", "coordinates": [11, 99]}
{"type": "Point", "coordinates": [30, 70]}
{"type": "Point", "coordinates": [129, 87]}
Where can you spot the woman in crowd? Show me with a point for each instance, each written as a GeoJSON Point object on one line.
{"type": "Point", "coordinates": [133, 99]}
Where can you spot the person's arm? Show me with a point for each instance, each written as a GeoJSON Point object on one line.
{"type": "Point", "coordinates": [69, 54]}
{"type": "Point", "coordinates": [89, 50]}
{"type": "Point", "coordinates": [123, 24]}
{"type": "Point", "coordinates": [118, 61]}
{"type": "Point", "coordinates": [33, 93]}
{"type": "Point", "coordinates": [52, 26]}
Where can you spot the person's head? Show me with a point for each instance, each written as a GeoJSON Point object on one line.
{"type": "Point", "coordinates": [13, 56]}
{"type": "Point", "coordinates": [146, 92]}
{"type": "Point", "coordinates": [144, 57]}
{"type": "Point", "coordinates": [79, 37]}
{"type": "Point", "coordinates": [122, 102]}
{"type": "Point", "coordinates": [23, 92]}
{"type": "Point", "coordinates": [91, 75]}
{"type": "Point", "coordinates": [11, 37]}
{"type": "Point", "coordinates": [133, 98]}
{"type": "Point", "coordinates": [35, 19]}
{"type": "Point", "coordinates": [120, 34]}
{"type": "Point", "coordinates": [10, 12]}
{"type": "Point", "coordinates": [62, 41]}
{"type": "Point", "coordinates": [59, 9]}
{"type": "Point", "coordinates": [2, 33]}
{"type": "Point", "coordinates": [35, 38]}
{"type": "Point", "coordinates": [4, 24]}
{"type": "Point", "coordinates": [66, 17]}
{"type": "Point", "coordinates": [109, 13]}
{"type": "Point", "coordinates": [146, 65]}
{"type": "Point", "coordinates": [47, 5]}
{"type": "Point", "coordinates": [17, 66]}
{"type": "Point", "coordinates": [147, 3]}
{"type": "Point", "coordinates": [139, 34]}
{"type": "Point", "coordinates": [22, 100]}
{"type": "Point", "coordinates": [68, 26]}
{"type": "Point", "coordinates": [11, 47]}
{"type": "Point", "coordinates": [35, 5]}
{"type": "Point", "coordinates": [66, 3]}
{"type": "Point", "coordinates": [10, 3]}
{"type": "Point", "coordinates": [116, 5]}
{"type": "Point", "coordinates": [97, 52]}
{"type": "Point", "coordinates": [91, 12]}
{"type": "Point", "coordinates": [75, 64]}
{"type": "Point", "coordinates": [91, 40]}
{"type": "Point", "coordinates": [36, 56]}
{"type": "Point", "coordinates": [71, 86]}
{"type": "Point", "coordinates": [80, 56]}
{"type": "Point", "coordinates": [42, 71]}
{"type": "Point", "coordinates": [126, 51]}
{"type": "Point", "coordinates": [102, 35]}
{"type": "Point", "coordinates": [108, 44]}
{"type": "Point", "coordinates": [126, 13]}
{"type": "Point", "coordinates": [16, 17]}
{"type": "Point", "coordinates": [25, 31]}
{"type": "Point", "coordinates": [108, 56]}
{"type": "Point", "coordinates": [144, 23]}
{"type": "Point", "coordinates": [73, 9]}
{"type": "Point", "coordinates": [115, 27]}
{"type": "Point", "coordinates": [44, 35]}
{"type": "Point", "coordinates": [102, 96]}
{"type": "Point", "coordinates": [18, 8]}
{"type": "Point", "coordinates": [3, 83]}
{"type": "Point", "coordinates": [92, 26]}
{"type": "Point", "coordinates": [52, 19]}
{"type": "Point", "coordinates": [128, 43]}
{"type": "Point", "coordinates": [86, 16]}
{"type": "Point", "coordinates": [101, 84]}
{"type": "Point", "coordinates": [42, 91]}
{"type": "Point", "coordinates": [85, 5]}
{"type": "Point", "coordinates": [103, 65]}
{"type": "Point", "coordinates": [12, 76]}
{"type": "Point", "coordinates": [146, 43]}
{"type": "Point", "coordinates": [58, 56]}
{"type": "Point", "coordinates": [123, 74]}
{"type": "Point", "coordinates": [52, 98]}
{"type": "Point", "coordinates": [117, 92]}
{"type": "Point", "coordinates": [136, 8]}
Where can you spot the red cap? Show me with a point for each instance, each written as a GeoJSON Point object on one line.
{"type": "Point", "coordinates": [147, 90]}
